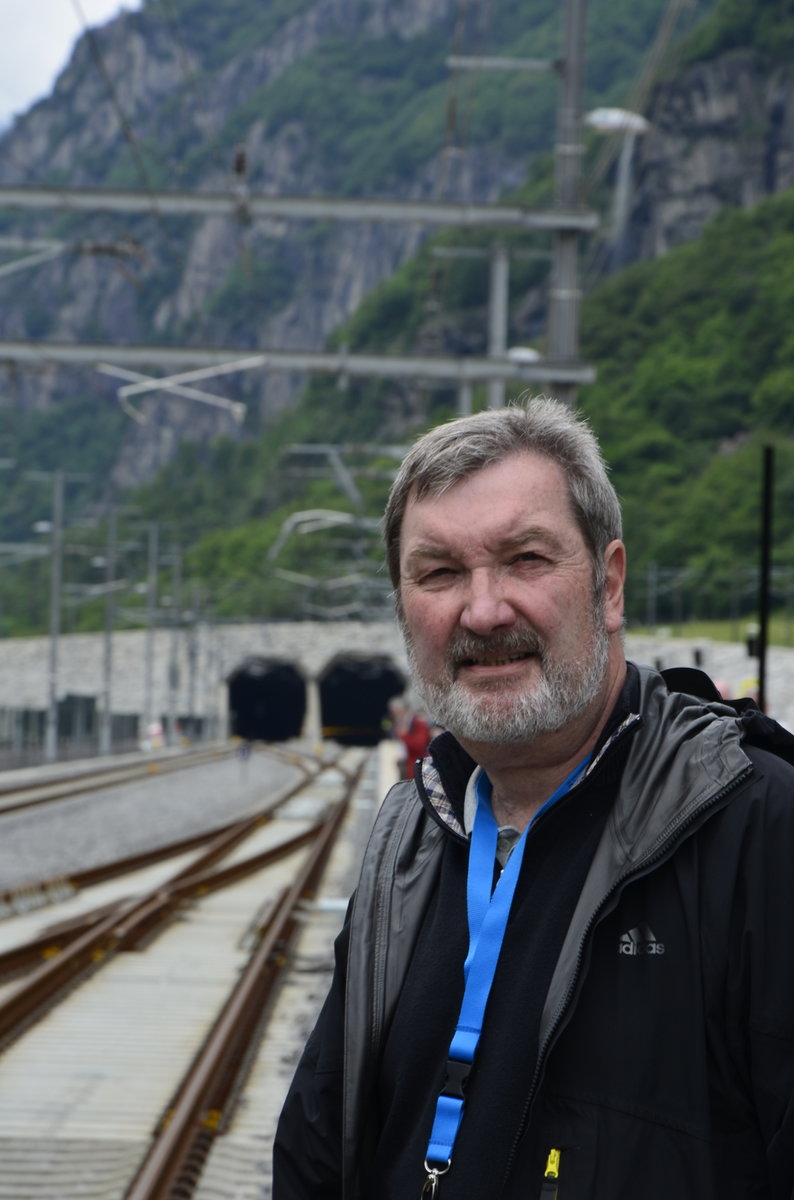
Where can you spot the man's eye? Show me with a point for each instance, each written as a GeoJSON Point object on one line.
{"type": "Point", "coordinates": [437, 575]}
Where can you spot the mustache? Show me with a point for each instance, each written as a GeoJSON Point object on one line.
{"type": "Point", "coordinates": [509, 644]}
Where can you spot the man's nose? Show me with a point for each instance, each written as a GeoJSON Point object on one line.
{"type": "Point", "coordinates": [487, 607]}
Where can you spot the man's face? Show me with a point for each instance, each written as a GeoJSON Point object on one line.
{"type": "Point", "coordinates": [505, 637]}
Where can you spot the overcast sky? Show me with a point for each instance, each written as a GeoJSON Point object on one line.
{"type": "Point", "coordinates": [36, 40]}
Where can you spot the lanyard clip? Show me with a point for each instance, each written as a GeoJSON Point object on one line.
{"type": "Point", "coordinates": [430, 1185]}
{"type": "Point", "coordinates": [455, 1082]}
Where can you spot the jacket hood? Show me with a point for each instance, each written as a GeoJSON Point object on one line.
{"type": "Point", "coordinates": [685, 753]}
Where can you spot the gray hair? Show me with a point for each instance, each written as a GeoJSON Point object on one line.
{"type": "Point", "coordinates": [451, 452]}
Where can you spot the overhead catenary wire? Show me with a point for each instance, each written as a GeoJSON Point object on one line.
{"type": "Point", "coordinates": [124, 123]}
{"type": "Point", "coordinates": [130, 137]}
{"type": "Point", "coordinates": [191, 78]}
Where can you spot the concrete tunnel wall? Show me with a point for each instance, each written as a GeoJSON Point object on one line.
{"type": "Point", "coordinates": [269, 699]}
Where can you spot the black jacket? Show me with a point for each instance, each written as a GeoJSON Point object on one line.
{"type": "Point", "coordinates": [642, 1017]}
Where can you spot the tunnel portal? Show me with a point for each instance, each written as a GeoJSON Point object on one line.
{"type": "Point", "coordinates": [267, 700]}
{"type": "Point", "coordinates": [354, 694]}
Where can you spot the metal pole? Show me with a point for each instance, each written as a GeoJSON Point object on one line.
{"type": "Point", "coordinates": [106, 716]}
{"type": "Point", "coordinates": [564, 293]}
{"type": "Point", "coordinates": [151, 611]}
{"type": "Point", "coordinates": [497, 318]}
{"type": "Point", "coordinates": [56, 569]}
{"type": "Point", "coordinates": [207, 680]}
{"type": "Point", "coordinates": [766, 565]}
{"type": "Point", "coordinates": [192, 654]}
{"type": "Point", "coordinates": [173, 665]}
{"type": "Point", "coordinates": [651, 593]}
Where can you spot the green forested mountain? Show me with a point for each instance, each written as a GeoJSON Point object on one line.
{"type": "Point", "coordinates": [767, 28]}
{"type": "Point", "coordinates": [693, 351]}
{"type": "Point", "coordinates": [696, 367]}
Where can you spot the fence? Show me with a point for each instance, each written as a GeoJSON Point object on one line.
{"type": "Point", "coordinates": [676, 596]}
{"type": "Point", "coordinates": [22, 732]}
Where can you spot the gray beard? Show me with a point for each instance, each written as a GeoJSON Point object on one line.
{"type": "Point", "coordinates": [500, 715]}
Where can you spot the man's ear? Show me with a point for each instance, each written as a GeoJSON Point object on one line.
{"type": "Point", "coordinates": [614, 580]}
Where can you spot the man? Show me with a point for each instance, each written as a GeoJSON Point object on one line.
{"type": "Point", "coordinates": [567, 970]}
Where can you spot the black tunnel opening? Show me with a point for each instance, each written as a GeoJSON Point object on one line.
{"type": "Point", "coordinates": [267, 700]}
{"type": "Point", "coordinates": [354, 695]}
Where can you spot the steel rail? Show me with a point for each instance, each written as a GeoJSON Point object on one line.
{"type": "Point", "coordinates": [26, 956]}
{"type": "Point", "coordinates": [87, 768]}
{"type": "Point", "coordinates": [174, 1161]}
{"type": "Point", "coordinates": [37, 893]}
{"type": "Point", "coordinates": [63, 787]}
{"type": "Point", "coordinates": [38, 990]}
{"type": "Point", "coordinates": [193, 881]}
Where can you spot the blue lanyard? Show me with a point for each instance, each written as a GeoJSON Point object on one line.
{"type": "Point", "coordinates": [487, 915]}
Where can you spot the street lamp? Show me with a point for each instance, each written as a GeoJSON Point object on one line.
{"type": "Point", "coordinates": [631, 125]}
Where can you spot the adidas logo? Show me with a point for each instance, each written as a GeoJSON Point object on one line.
{"type": "Point", "coordinates": [640, 940]}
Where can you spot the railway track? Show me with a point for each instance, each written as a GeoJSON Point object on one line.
{"type": "Point", "coordinates": [145, 1043]}
{"type": "Point", "coordinates": [28, 787]}
{"type": "Point", "coordinates": [16, 900]}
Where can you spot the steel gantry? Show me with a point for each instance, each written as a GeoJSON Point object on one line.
{"type": "Point", "coordinates": [567, 220]}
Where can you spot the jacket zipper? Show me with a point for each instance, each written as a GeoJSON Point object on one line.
{"type": "Point", "coordinates": [670, 837]}
{"type": "Point", "coordinates": [383, 895]}
{"type": "Point", "coordinates": [551, 1176]}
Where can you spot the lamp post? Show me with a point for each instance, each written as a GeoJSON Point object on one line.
{"type": "Point", "coordinates": [564, 287]}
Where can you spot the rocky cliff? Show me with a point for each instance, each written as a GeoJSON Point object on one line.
{"type": "Point", "coordinates": [721, 133]}
{"type": "Point", "coordinates": [279, 96]}
{"type": "Point", "coordinates": [145, 105]}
